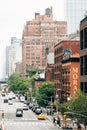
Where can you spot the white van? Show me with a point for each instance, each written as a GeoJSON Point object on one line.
{"type": "Point", "coordinates": [22, 98]}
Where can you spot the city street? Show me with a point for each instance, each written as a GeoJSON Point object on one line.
{"type": "Point", "coordinates": [28, 121]}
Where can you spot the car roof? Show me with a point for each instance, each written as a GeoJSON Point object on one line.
{"type": "Point", "coordinates": [19, 109]}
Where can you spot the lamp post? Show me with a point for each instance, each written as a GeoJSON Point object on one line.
{"type": "Point", "coordinates": [57, 96]}
{"type": "Point", "coordinates": [68, 99]}
{"type": "Point", "coordinates": [30, 89]}
{"type": "Point", "coordinates": [51, 106]}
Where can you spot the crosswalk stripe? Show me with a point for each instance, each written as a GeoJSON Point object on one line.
{"type": "Point", "coordinates": [20, 119]}
{"type": "Point", "coordinates": [29, 123]}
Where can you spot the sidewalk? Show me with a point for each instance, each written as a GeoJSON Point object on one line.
{"type": "Point", "coordinates": [50, 118]}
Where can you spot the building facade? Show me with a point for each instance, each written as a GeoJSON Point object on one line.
{"type": "Point", "coordinates": [13, 55]}
{"type": "Point", "coordinates": [18, 67]}
{"type": "Point", "coordinates": [70, 77]}
{"type": "Point", "coordinates": [83, 55]}
{"type": "Point", "coordinates": [41, 33]}
{"type": "Point", "coordinates": [63, 50]}
{"type": "Point", "coordinates": [75, 11]}
{"type": "Point", "coordinates": [49, 70]}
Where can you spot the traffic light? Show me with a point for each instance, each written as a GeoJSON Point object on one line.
{"type": "Point", "coordinates": [64, 117]}
{"type": "Point", "coordinates": [2, 114]}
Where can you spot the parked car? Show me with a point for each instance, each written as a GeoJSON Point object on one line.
{"type": "Point", "coordinates": [13, 97]}
{"type": "Point", "coordinates": [22, 98]}
{"type": "Point", "coordinates": [19, 112]}
{"type": "Point", "coordinates": [30, 105]}
{"type": "Point", "coordinates": [10, 102]}
{"type": "Point", "coordinates": [38, 110]}
{"type": "Point", "coordinates": [25, 107]}
{"type": "Point", "coordinates": [28, 102]}
{"type": "Point", "coordinates": [3, 94]}
{"type": "Point", "coordinates": [35, 107]}
{"type": "Point", "coordinates": [5, 100]}
{"type": "Point", "coordinates": [10, 98]}
{"type": "Point", "coordinates": [25, 102]}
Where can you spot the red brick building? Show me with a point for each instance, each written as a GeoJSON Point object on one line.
{"type": "Point", "coordinates": [49, 72]}
{"type": "Point", "coordinates": [40, 33]}
{"type": "Point", "coordinates": [70, 76]}
{"type": "Point", "coordinates": [64, 50]}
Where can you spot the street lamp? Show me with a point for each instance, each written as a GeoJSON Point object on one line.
{"type": "Point", "coordinates": [51, 105]}
{"type": "Point", "coordinates": [68, 99]}
{"type": "Point", "coordinates": [57, 96]}
{"type": "Point", "coordinates": [57, 99]}
{"type": "Point", "coordinates": [30, 89]}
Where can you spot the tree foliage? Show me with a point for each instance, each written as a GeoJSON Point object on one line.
{"type": "Point", "coordinates": [79, 106]}
{"type": "Point", "coordinates": [32, 72]}
{"type": "Point", "coordinates": [76, 108]}
{"type": "Point", "coordinates": [63, 107]}
{"type": "Point", "coordinates": [19, 84]}
{"type": "Point", "coordinates": [44, 93]}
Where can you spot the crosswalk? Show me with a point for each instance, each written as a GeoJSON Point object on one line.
{"type": "Point", "coordinates": [20, 119]}
{"type": "Point", "coordinates": [12, 116]}
{"type": "Point", "coordinates": [29, 123]}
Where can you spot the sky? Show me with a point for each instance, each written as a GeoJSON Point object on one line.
{"type": "Point", "coordinates": [13, 17]}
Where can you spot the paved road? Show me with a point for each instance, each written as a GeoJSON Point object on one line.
{"type": "Point", "coordinates": [28, 121]}
{"type": "Point", "coordinates": [32, 125]}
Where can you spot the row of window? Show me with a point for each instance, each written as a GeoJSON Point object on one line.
{"type": "Point", "coordinates": [58, 51]}
{"type": "Point", "coordinates": [84, 86]}
{"type": "Point", "coordinates": [83, 67]}
{"type": "Point", "coordinates": [83, 38]}
{"type": "Point", "coordinates": [58, 59]}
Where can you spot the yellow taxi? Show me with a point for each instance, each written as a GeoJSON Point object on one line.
{"type": "Point", "coordinates": [41, 117]}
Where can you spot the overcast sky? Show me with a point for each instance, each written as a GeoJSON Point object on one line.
{"type": "Point", "coordinates": [15, 13]}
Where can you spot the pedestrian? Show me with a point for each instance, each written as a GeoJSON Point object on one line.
{"type": "Point", "coordinates": [58, 120]}
{"type": "Point", "coordinates": [79, 126]}
{"type": "Point", "coordinates": [54, 120]}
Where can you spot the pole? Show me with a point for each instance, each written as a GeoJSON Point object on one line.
{"type": "Point", "coordinates": [56, 103]}
{"type": "Point", "coordinates": [51, 105]}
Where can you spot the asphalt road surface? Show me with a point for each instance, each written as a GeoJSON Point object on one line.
{"type": "Point", "coordinates": [29, 120]}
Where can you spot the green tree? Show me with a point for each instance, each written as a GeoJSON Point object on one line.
{"type": "Point", "coordinates": [17, 83]}
{"type": "Point", "coordinates": [12, 78]}
{"type": "Point", "coordinates": [44, 93]}
{"type": "Point", "coordinates": [78, 106]}
{"type": "Point", "coordinates": [32, 72]}
{"type": "Point", "coordinates": [63, 107]}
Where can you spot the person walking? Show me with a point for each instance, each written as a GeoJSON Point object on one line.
{"type": "Point", "coordinates": [54, 120]}
{"type": "Point", "coordinates": [58, 120]}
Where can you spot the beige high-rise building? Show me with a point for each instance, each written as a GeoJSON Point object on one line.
{"type": "Point", "coordinates": [40, 33]}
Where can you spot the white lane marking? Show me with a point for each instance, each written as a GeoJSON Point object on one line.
{"type": "Point", "coordinates": [29, 123]}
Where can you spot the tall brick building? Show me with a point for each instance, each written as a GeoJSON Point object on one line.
{"type": "Point", "coordinates": [40, 33]}
{"type": "Point", "coordinates": [64, 61]}
{"type": "Point", "coordinates": [70, 76]}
